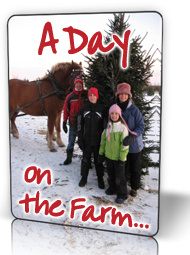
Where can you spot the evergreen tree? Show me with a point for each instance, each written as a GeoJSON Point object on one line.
{"type": "Point", "coordinates": [150, 91]}
{"type": "Point", "coordinates": [105, 73]}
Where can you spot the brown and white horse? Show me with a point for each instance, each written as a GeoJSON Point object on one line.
{"type": "Point", "coordinates": [43, 97]}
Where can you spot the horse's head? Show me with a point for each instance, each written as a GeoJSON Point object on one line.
{"type": "Point", "coordinates": [65, 73]}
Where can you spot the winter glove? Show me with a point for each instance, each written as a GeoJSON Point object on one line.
{"type": "Point", "coordinates": [128, 140]}
{"type": "Point", "coordinates": [65, 126]}
{"type": "Point", "coordinates": [101, 159]}
{"type": "Point", "coordinates": [121, 163]}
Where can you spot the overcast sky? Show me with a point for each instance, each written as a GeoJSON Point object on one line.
{"type": "Point", "coordinates": [25, 32]}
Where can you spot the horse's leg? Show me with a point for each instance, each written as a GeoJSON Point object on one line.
{"type": "Point", "coordinates": [47, 135]}
{"type": "Point", "coordinates": [50, 129]}
{"type": "Point", "coordinates": [53, 138]}
{"type": "Point", "coordinates": [58, 131]}
{"type": "Point", "coordinates": [13, 129]}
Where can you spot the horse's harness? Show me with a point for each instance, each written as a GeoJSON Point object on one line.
{"type": "Point", "coordinates": [57, 90]}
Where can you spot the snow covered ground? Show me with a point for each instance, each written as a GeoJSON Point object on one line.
{"type": "Point", "coordinates": [31, 149]}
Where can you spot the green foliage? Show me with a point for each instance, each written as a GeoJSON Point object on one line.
{"type": "Point", "coordinates": [105, 73]}
{"type": "Point", "coordinates": [150, 91]}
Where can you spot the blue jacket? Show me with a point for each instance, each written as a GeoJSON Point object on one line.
{"type": "Point", "coordinates": [135, 122]}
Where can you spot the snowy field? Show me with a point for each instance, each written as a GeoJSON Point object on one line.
{"type": "Point", "coordinates": [31, 149]}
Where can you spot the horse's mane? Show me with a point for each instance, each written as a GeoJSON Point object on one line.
{"type": "Point", "coordinates": [59, 66]}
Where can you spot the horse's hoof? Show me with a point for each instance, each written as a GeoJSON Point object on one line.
{"type": "Point", "coordinates": [53, 150]}
{"type": "Point", "coordinates": [16, 136]}
{"type": "Point", "coordinates": [62, 145]}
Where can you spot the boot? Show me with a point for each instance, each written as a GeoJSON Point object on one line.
{"type": "Point", "coordinates": [110, 192]}
{"type": "Point", "coordinates": [101, 183]}
{"type": "Point", "coordinates": [133, 193]}
{"type": "Point", "coordinates": [120, 200]}
{"type": "Point", "coordinates": [69, 157]}
{"type": "Point", "coordinates": [82, 182]}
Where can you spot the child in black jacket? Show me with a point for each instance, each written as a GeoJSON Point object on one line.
{"type": "Point", "coordinates": [91, 123]}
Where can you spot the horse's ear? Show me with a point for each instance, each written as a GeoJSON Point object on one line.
{"type": "Point", "coordinates": [80, 64]}
{"type": "Point", "coordinates": [72, 62]}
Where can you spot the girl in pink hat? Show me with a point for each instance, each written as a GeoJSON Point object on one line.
{"type": "Point", "coordinates": [115, 152]}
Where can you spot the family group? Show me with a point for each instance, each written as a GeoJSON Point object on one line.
{"type": "Point", "coordinates": [113, 136]}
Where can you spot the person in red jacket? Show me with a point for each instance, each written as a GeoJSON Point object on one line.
{"type": "Point", "coordinates": [73, 102]}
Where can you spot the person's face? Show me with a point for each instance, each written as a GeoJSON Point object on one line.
{"type": "Point", "coordinates": [123, 97]}
{"type": "Point", "coordinates": [78, 85]}
{"type": "Point", "coordinates": [92, 98]}
{"type": "Point", "coordinates": [114, 116]}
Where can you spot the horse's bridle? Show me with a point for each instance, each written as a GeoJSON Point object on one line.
{"type": "Point", "coordinates": [73, 72]}
{"type": "Point", "coordinates": [58, 90]}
